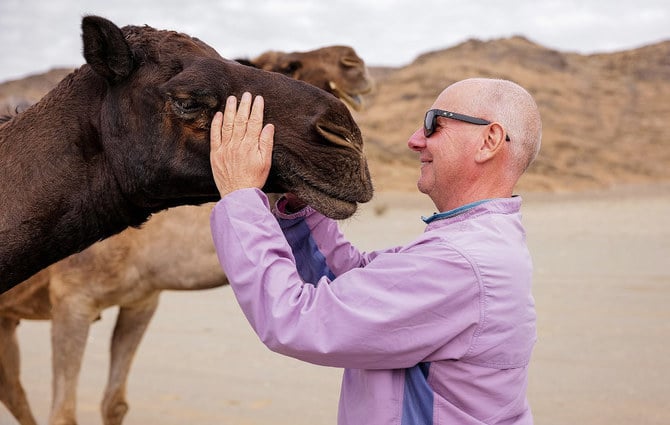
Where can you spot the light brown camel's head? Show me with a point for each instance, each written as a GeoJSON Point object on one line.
{"type": "Point", "coordinates": [159, 91]}
{"type": "Point", "coordinates": [336, 69]}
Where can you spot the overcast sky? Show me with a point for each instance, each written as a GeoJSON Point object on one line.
{"type": "Point", "coordinates": [36, 35]}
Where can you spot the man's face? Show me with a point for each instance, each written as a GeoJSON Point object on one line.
{"type": "Point", "coordinates": [447, 154]}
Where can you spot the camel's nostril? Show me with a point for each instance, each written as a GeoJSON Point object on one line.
{"type": "Point", "coordinates": [336, 135]}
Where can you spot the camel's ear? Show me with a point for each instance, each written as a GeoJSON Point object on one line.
{"type": "Point", "coordinates": [245, 61]}
{"type": "Point", "coordinates": [289, 67]}
{"type": "Point", "coordinates": [105, 48]}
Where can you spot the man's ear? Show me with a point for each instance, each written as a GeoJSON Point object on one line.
{"type": "Point", "coordinates": [493, 141]}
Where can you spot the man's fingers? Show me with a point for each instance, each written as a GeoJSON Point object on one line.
{"type": "Point", "coordinates": [228, 118]}
{"type": "Point", "coordinates": [266, 140]}
{"type": "Point", "coordinates": [255, 123]}
{"type": "Point", "coordinates": [242, 117]}
{"type": "Point", "coordinates": [215, 131]}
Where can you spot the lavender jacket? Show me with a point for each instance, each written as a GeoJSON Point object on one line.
{"type": "Point", "coordinates": [439, 331]}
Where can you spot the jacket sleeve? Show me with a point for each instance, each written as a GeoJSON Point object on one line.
{"type": "Point", "coordinates": [318, 245]}
{"type": "Point", "coordinates": [392, 313]}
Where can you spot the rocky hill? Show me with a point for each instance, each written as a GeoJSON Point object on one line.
{"type": "Point", "coordinates": [604, 116]}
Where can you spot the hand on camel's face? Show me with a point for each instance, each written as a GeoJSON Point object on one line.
{"type": "Point", "coordinates": [241, 148]}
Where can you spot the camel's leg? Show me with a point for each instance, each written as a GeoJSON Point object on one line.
{"type": "Point", "coordinates": [131, 324]}
{"type": "Point", "coordinates": [70, 324]}
{"type": "Point", "coordinates": [11, 391]}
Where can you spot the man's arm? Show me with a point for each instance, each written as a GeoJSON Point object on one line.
{"type": "Point", "coordinates": [416, 306]}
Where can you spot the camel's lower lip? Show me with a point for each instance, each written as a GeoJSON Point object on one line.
{"type": "Point", "coordinates": [335, 196]}
{"type": "Point", "coordinates": [327, 204]}
{"type": "Point", "coordinates": [355, 101]}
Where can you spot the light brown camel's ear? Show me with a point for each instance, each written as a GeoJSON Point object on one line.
{"type": "Point", "coordinates": [289, 67]}
{"type": "Point", "coordinates": [105, 49]}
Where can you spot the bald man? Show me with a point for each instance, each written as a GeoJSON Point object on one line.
{"type": "Point", "coordinates": [438, 331]}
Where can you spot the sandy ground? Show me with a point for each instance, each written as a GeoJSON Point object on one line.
{"type": "Point", "coordinates": [602, 288]}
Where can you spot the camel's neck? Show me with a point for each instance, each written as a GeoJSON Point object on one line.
{"type": "Point", "coordinates": [67, 216]}
{"type": "Point", "coordinates": [57, 194]}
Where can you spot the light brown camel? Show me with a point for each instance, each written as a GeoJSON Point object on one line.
{"type": "Point", "coordinates": [336, 69]}
{"type": "Point", "coordinates": [173, 250]}
{"type": "Point", "coordinates": [126, 135]}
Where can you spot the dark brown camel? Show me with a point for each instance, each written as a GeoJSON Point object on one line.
{"type": "Point", "coordinates": [126, 135]}
{"type": "Point", "coordinates": [129, 270]}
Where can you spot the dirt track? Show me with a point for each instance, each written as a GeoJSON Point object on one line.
{"type": "Point", "coordinates": [602, 288]}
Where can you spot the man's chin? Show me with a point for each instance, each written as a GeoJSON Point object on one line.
{"type": "Point", "coordinates": [421, 186]}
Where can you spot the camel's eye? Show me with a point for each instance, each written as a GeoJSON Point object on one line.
{"type": "Point", "coordinates": [186, 107]}
{"type": "Point", "coordinates": [197, 108]}
{"type": "Point", "coordinates": [194, 106]}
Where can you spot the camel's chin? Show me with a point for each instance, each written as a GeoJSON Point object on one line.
{"type": "Point", "coordinates": [327, 205]}
{"type": "Point", "coordinates": [337, 201]}
{"type": "Point", "coordinates": [335, 208]}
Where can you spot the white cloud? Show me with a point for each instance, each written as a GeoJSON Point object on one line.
{"type": "Point", "coordinates": [36, 35]}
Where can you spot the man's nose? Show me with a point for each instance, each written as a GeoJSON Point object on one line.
{"type": "Point", "coordinates": [417, 141]}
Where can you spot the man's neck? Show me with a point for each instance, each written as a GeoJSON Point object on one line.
{"type": "Point", "coordinates": [473, 194]}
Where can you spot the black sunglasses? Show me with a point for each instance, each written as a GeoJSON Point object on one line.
{"type": "Point", "coordinates": [430, 120]}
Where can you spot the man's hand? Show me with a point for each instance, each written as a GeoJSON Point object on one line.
{"type": "Point", "coordinates": [241, 148]}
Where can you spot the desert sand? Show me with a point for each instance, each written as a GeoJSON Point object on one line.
{"type": "Point", "coordinates": [601, 285]}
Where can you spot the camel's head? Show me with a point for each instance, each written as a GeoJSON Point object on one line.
{"type": "Point", "coordinates": [159, 92]}
{"type": "Point", "coordinates": [336, 69]}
